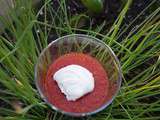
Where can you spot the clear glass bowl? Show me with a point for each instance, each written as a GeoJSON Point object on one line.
{"type": "Point", "coordinates": [84, 44]}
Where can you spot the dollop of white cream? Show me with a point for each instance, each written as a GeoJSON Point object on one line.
{"type": "Point", "coordinates": [74, 81]}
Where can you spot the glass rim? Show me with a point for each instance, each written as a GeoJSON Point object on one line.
{"type": "Point", "coordinates": [107, 103]}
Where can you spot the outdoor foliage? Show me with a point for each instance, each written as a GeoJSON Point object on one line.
{"type": "Point", "coordinates": [27, 33]}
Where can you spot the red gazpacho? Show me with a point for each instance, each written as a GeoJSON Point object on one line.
{"type": "Point", "coordinates": [89, 102]}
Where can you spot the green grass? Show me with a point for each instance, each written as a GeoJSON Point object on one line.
{"type": "Point", "coordinates": [138, 52]}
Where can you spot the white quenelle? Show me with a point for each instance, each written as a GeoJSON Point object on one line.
{"type": "Point", "coordinates": [74, 81]}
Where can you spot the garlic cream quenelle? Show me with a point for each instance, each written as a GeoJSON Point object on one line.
{"type": "Point", "coordinates": [74, 81]}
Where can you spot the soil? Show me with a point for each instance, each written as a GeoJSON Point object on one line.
{"type": "Point", "coordinates": [111, 10]}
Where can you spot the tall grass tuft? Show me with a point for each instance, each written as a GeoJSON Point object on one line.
{"type": "Point", "coordinates": [26, 35]}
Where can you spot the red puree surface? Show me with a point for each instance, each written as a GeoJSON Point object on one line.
{"type": "Point", "coordinates": [87, 103]}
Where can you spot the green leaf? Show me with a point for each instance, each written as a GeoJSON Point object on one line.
{"type": "Point", "coordinates": [95, 6]}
